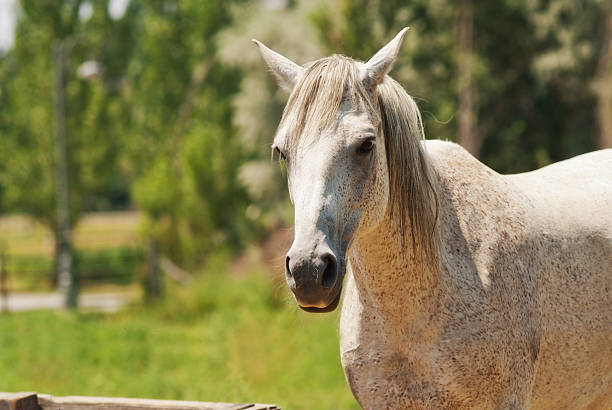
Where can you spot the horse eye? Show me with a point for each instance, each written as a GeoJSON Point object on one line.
{"type": "Point", "coordinates": [367, 146]}
{"type": "Point", "coordinates": [280, 153]}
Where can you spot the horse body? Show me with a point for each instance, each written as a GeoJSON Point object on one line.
{"type": "Point", "coordinates": [572, 217]}
{"type": "Point", "coordinates": [519, 312]}
{"type": "Point", "coordinates": [465, 288]}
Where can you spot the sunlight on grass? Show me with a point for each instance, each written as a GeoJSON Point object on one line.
{"type": "Point", "coordinates": [222, 338]}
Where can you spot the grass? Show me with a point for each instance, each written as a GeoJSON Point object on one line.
{"type": "Point", "coordinates": [222, 338]}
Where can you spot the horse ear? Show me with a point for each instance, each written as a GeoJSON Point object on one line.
{"type": "Point", "coordinates": [286, 71]}
{"type": "Point", "coordinates": [374, 71]}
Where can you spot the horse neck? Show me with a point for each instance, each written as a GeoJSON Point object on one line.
{"type": "Point", "coordinates": [396, 282]}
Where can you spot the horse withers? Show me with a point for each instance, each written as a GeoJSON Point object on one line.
{"type": "Point", "coordinates": [464, 288]}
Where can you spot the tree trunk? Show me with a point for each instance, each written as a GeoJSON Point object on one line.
{"type": "Point", "coordinates": [54, 278]}
{"type": "Point", "coordinates": [466, 117]}
{"type": "Point", "coordinates": [154, 281]}
{"type": "Point", "coordinates": [602, 86]}
{"type": "Point", "coordinates": [66, 280]}
{"type": "Point", "coordinates": [3, 281]}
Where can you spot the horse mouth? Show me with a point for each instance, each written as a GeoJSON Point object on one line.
{"type": "Point", "coordinates": [329, 308]}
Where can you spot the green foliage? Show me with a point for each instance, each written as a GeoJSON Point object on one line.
{"type": "Point", "coordinates": [533, 63]}
{"type": "Point", "coordinates": [147, 192]}
{"type": "Point", "coordinates": [218, 292]}
{"type": "Point", "coordinates": [198, 205]}
{"type": "Point", "coordinates": [95, 114]}
{"type": "Point", "coordinates": [119, 265]}
{"type": "Point", "coordinates": [156, 124]}
{"type": "Point", "coordinates": [183, 144]}
{"type": "Point", "coordinates": [222, 339]}
{"type": "Point", "coordinates": [26, 121]}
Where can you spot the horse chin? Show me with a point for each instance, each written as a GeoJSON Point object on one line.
{"type": "Point", "coordinates": [329, 308]}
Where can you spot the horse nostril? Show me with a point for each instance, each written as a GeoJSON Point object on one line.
{"type": "Point", "coordinates": [288, 274]}
{"type": "Point", "coordinates": [330, 274]}
{"type": "Point", "coordinates": [287, 269]}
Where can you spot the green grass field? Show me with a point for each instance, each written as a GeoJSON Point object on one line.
{"type": "Point", "coordinates": [221, 338]}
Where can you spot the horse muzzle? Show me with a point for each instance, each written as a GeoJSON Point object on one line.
{"type": "Point", "coordinates": [315, 278]}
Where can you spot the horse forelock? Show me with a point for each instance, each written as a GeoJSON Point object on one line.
{"type": "Point", "coordinates": [315, 101]}
{"type": "Point", "coordinates": [314, 105]}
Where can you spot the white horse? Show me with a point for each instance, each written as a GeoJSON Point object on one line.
{"type": "Point", "coordinates": [464, 288]}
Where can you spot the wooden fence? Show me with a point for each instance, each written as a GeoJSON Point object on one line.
{"type": "Point", "coordinates": [34, 401]}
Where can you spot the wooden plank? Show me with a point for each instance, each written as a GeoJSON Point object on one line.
{"type": "Point", "coordinates": [18, 401]}
{"type": "Point", "coordinates": [48, 402]}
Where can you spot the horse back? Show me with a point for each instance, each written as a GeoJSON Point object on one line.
{"type": "Point", "coordinates": [574, 195]}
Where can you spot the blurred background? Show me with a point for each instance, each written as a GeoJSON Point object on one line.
{"type": "Point", "coordinates": [142, 221]}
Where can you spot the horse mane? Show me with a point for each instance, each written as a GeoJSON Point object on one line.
{"type": "Point", "coordinates": [313, 106]}
{"type": "Point", "coordinates": [413, 195]}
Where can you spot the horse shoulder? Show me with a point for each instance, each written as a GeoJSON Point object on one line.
{"type": "Point", "coordinates": [490, 307]}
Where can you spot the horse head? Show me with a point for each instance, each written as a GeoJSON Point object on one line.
{"type": "Point", "coordinates": [332, 138]}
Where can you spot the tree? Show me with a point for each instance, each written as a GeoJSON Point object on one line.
{"type": "Point", "coordinates": [92, 113]}
{"type": "Point", "coordinates": [570, 64]}
{"type": "Point", "coordinates": [467, 134]}
{"type": "Point", "coordinates": [155, 127]}
{"type": "Point", "coordinates": [602, 85]}
{"type": "Point", "coordinates": [181, 134]}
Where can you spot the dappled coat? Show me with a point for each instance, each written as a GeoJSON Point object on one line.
{"type": "Point", "coordinates": [464, 288]}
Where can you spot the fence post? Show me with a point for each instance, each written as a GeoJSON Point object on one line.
{"type": "Point", "coordinates": [19, 401]}
{"type": "Point", "coordinates": [153, 283]}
